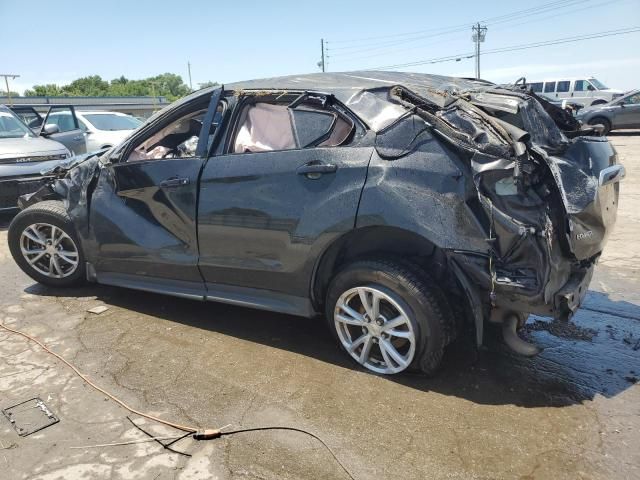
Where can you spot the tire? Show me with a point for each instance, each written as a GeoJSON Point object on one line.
{"type": "Point", "coordinates": [598, 102]}
{"type": "Point", "coordinates": [45, 230]}
{"type": "Point", "coordinates": [601, 121]}
{"type": "Point", "coordinates": [403, 290]}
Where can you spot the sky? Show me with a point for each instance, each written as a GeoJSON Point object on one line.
{"type": "Point", "coordinates": [57, 42]}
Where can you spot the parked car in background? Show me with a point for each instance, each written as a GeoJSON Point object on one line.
{"type": "Point", "coordinates": [65, 129]}
{"type": "Point", "coordinates": [623, 112]}
{"type": "Point", "coordinates": [583, 90]}
{"type": "Point", "coordinates": [405, 215]}
{"type": "Point", "coordinates": [103, 129]}
{"type": "Point", "coordinates": [23, 155]}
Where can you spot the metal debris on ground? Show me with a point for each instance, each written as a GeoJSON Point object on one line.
{"type": "Point", "coordinates": [98, 310]}
{"type": "Point", "coordinates": [32, 413]}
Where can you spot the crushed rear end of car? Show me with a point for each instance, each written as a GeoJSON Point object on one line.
{"type": "Point", "coordinates": [544, 194]}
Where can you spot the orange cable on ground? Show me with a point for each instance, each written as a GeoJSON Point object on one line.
{"type": "Point", "coordinates": [198, 434]}
{"type": "Point", "coordinates": [184, 428]}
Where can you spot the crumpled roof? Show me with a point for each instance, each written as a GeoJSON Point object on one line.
{"type": "Point", "coordinates": [331, 82]}
{"type": "Point", "coordinates": [366, 92]}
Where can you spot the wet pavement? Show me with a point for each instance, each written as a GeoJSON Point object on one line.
{"type": "Point", "coordinates": [572, 412]}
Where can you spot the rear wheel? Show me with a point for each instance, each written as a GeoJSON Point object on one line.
{"type": "Point", "coordinates": [388, 316]}
{"type": "Point", "coordinates": [601, 121]}
{"type": "Point", "coordinates": [44, 244]}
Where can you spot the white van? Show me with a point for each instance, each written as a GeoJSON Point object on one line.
{"type": "Point", "coordinates": [583, 90]}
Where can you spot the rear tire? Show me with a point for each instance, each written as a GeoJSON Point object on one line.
{"type": "Point", "coordinates": [45, 245]}
{"type": "Point", "coordinates": [601, 121]}
{"type": "Point", "coordinates": [412, 321]}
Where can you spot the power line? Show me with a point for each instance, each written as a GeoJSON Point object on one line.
{"type": "Point", "coordinates": [351, 50]}
{"type": "Point", "coordinates": [511, 48]}
{"type": "Point", "coordinates": [353, 56]}
{"type": "Point", "coordinates": [419, 34]}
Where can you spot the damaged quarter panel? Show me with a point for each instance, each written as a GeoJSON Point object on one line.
{"type": "Point", "coordinates": [423, 190]}
{"type": "Point", "coordinates": [591, 207]}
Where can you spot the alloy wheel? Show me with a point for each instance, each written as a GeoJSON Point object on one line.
{"type": "Point", "coordinates": [375, 329]}
{"type": "Point", "coordinates": [49, 250]}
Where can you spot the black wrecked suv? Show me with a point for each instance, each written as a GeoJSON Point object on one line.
{"type": "Point", "coordinates": [405, 207]}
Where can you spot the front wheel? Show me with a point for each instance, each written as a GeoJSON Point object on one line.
{"type": "Point", "coordinates": [389, 316]}
{"type": "Point", "coordinates": [44, 244]}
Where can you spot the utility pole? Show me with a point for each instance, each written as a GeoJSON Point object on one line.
{"type": "Point", "coordinates": [189, 68]}
{"type": "Point", "coordinates": [6, 82]}
{"type": "Point", "coordinates": [153, 94]}
{"type": "Point", "coordinates": [321, 63]}
{"type": "Point", "coordinates": [478, 36]}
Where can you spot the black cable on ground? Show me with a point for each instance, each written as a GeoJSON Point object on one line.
{"type": "Point", "coordinates": [292, 429]}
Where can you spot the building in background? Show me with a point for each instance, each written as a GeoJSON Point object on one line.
{"type": "Point", "coordinates": [141, 107]}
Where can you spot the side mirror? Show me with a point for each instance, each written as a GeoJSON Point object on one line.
{"type": "Point", "coordinates": [591, 88]}
{"type": "Point", "coordinates": [50, 129]}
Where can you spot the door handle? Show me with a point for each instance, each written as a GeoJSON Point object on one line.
{"type": "Point", "coordinates": [78, 138]}
{"type": "Point", "coordinates": [314, 170]}
{"type": "Point", "coordinates": [174, 182]}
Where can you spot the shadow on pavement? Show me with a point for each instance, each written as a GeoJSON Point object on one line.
{"type": "Point", "coordinates": [572, 368]}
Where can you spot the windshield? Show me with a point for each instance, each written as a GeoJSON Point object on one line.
{"type": "Point", "coordinates": [108, 121]}
{"type": "Point", "coordinates": [12, 127]}
{"type": "Point", "coordinates": [598, 84]}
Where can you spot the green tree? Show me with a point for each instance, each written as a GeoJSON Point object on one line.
{"type": "Point", "coordinates": [93, 86]}
{"type": "Point", "coordinates": [49, 90]}
{"type": "Point", "coordinates": [168, 85]}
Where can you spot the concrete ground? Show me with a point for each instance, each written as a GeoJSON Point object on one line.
{"type": "Point", "coordinates": [572, 412]}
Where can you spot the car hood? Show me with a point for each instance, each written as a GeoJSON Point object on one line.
{"type": "Point", "coordinates": [29, 146]}
{"type": "Point", "coordinates": [595, 108]}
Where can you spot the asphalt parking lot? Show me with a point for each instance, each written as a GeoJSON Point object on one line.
{"type": "Point", "coordinates": [572, 412]}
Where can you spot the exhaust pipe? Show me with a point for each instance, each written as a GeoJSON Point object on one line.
{"type": "Point", "coordinates": [513, 341]}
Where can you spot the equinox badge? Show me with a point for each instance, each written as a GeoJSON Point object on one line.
{"type": "Point", "coordinates": [584, 235]}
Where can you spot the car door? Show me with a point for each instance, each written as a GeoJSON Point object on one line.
{"type": "Point", "coordinates": [562, 89]}
{"type": "Point", "coordinates": [267, 210]}
{"type": "Point", "coordinates": [70, 134]}
{"type": "Point", "coordinates": [143, 209]}
{"type": "Point", "coordinates": [627, 113]}
{"type": "Point", "coordinates": [581, 93]}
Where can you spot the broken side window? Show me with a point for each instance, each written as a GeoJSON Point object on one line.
{"type": "Point", "coordinates": [266, 127]}
{"type": "Point", "coordinates": [178, 139]}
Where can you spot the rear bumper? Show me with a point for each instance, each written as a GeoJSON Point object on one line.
{"type": "Point", "coordinates": [11, 189]}
{"type": "Point", "coordinates": [569, 298]}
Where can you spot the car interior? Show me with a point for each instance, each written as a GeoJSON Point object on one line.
{"type": "Point", "coordinates": [179, 139]}
{"type": "Point", "coordinates": [264, 126]}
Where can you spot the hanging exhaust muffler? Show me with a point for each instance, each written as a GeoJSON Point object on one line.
{"type": "Point", "coordinates": [513, 340]}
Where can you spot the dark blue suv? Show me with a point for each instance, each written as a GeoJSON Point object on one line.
{"type": "Point", "coordinates": [405, 208]}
